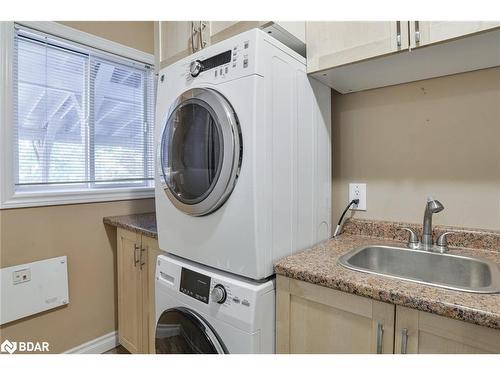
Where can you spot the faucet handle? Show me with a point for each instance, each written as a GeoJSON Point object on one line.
{"type": "Point", "coordinates": [442, 241]}
{"type": "Point", "coordinates": [413, 242]}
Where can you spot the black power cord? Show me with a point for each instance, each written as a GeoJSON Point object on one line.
{"type": "Point", "coordinates": [337, 230]}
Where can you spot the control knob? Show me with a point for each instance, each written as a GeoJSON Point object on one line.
{"type": "Point", "coordinates": [195, 68]}
{"type": "Point", "coordinates": [218, 294]}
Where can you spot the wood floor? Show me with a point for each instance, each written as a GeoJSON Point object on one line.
{"type": "Point", "coordinates": [118, 350]}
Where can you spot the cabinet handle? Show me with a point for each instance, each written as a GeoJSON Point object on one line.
{"type": "Point", "coordinates": [136, 256]}
{"type": "Point", "coordinates": [417, 32]}
{"type": "Point", "coordinates": [380, 336]}
{"type": "Point", "coordinates": [193, 32]}
{"type": "Point", "coordinates": [404, 340]}
{"type": "Point", "coordinates": [202, 27]}
{"type": "Point", "coordinates": [398, 33]}
{"type": "Point", "coordinates": [143, 262]}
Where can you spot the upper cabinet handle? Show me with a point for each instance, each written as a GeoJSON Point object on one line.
{"type": "Point", "coordinates": [398, 33]}
{"type": "Point", "coordinates": [380, 336]}
{"type": "Point", "coordinates": [417, 32]}
{"type": "Point", "coordinates": [193, 33]}
{"type": "Point", "coordinates": [203, 43]}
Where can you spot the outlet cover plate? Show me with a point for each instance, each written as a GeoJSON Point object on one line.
{"type": "Point", "coordinates": [358, 190]}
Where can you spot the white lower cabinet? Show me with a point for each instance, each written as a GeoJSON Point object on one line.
{"type": "Point", "coordinates": [315, 319]}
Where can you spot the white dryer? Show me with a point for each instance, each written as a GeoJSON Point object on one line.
{"type": "Point", "coordinates": [243, 173]}
{"type": "Point", "coordinates": [204, 311]}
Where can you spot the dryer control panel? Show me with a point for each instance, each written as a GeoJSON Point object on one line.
{"type": "Point", "coordinates": [233, 58]}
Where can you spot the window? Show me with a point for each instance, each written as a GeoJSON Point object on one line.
{"type": "Point", "coordinates": [83, 118]}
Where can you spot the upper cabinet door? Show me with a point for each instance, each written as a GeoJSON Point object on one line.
{"type": "Point", "coordinates": [178, 39]}
{"type": "Point", "coordinates": [175, 41]}
{"type": "Point", "coordinates": [332, 44]}
{"type": "Point", "coordinates": [428, 32]}
{"type": "Point", "coordinates": [220, 26]}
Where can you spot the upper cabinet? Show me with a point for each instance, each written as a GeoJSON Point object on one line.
{"type": "Point", "coordinates": [355, 56]}
{"type": "Point", "coordinates": [423, 33]}
{"type": "Point", "coordinates": [175, 40]}
{"type": "Point", "coordinates": [220, 30]}
{"type": "Point", "coordinates": [332, 44]}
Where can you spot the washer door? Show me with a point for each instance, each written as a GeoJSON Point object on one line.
{"type": "Point", "coordinates": [182, 331]}
{"type": "Point", "coordinates": [200, 152]}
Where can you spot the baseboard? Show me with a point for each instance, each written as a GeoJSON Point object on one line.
{"type": "Point", "coordinates": [97, 346]}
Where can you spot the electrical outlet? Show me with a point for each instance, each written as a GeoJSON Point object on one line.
{"type": "Point", "coordinates": [358, 191]}
{"type": "Point", "coordinates": [21, 276]}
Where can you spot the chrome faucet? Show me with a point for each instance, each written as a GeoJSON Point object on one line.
{"type": "Point", "coordinates": [433, 206]}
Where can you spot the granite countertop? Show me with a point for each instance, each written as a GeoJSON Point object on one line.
{"type": "Point", "coordinates": [144, 224]}
{"type": "Point", "coordinates": [318, 265]}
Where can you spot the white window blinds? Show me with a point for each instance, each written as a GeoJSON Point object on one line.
{"type": "Point", "coordinates": [84, 118]}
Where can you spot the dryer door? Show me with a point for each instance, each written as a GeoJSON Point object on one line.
{"type": "Point", "coordinates": [182, 331]}
{"type": "Point", "coordinates": [200, 152]}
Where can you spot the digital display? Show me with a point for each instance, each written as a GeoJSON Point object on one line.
{"type": "Point", "coordinates": [195, 285]}
{"type": "Point", "coordinates": [214, 61]}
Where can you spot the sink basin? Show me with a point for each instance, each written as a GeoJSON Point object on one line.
{"type": "Point", "coordinates": [449, 271]}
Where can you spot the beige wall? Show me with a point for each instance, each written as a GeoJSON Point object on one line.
{"type": "Point", "coordinates": [135, 34]}
{"type": "Point", "coordinates": [439, 136]}
{"type": "Point", "coordinates": [77, 231]}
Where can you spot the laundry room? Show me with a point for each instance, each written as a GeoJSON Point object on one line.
{"type": "Point", "coordinates": [324, 184]}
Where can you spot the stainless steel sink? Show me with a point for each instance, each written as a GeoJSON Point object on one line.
{"type": "Point", "coordinates": [441, 270]}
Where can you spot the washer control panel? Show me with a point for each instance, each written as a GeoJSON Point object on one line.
{"type": "Point", "coordinates": [195, 285]}
{"type": "Point", "coordinates": [230, 295]}
{"type": "Point", "coordinates": [218, 294]}
{"type": "Point", "coordinates": [224, 296]}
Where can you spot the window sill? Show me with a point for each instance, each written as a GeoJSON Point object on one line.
{"type": "Point", "coordinates": [63, 197]}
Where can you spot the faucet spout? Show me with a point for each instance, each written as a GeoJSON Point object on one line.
{"type": "Point", "coordinates": [433, 206]}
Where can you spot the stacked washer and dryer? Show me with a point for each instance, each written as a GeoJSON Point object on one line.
{"type": "Point", "coordinates": [243, 178]}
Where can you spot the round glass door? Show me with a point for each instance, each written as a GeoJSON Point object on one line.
{"type": "Point", "coordinates": [200, 152]}
{"type": "Point", "coordinates": [182, 331]}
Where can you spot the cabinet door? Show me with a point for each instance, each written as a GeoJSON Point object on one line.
{"type": "Point", "coordinates": [221, 30]}
{"type": "Point", "coordinates": [130, 291]}
{"type": "Point", "coordinates": [178, 39]}
{"type": "Point", "coordinates": [421, 332]}
{"type": "Point", "coordinates": [150, 245]}
{"type": "Point", "coordinates": [428, 32]}
{"type": "Point", "coordinates": [331, 44]}
{"type": "Point", "coordinates": [316, 319]}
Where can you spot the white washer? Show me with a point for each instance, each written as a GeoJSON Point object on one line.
{"type": "Point", "coordinates": [243, 173]}
{"type": "Point", "coordinates": [201, 310]}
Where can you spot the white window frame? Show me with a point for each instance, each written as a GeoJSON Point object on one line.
{"type": "Point", "coordinates": [9, 197]}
